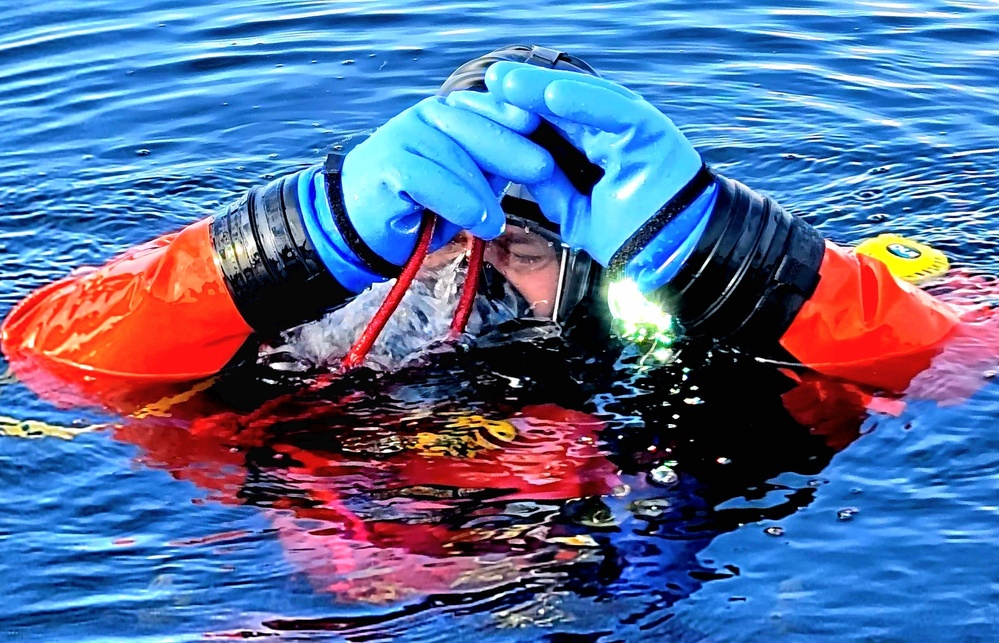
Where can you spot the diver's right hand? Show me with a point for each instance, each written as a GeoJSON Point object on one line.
{"type": "Point", "coordinates": [431, 156]}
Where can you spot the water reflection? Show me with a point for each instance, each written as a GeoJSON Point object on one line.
{"type": "Point", "coordinates": [500, 476]}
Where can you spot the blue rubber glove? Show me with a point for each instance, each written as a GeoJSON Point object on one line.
{"type": "Point", "coordinates": [646, 161]}
{"type": "Point", "coordinates": [431, 156]}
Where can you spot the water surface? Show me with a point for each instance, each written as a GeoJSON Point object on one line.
{"type": "Point", "coordinates": [122, 121]}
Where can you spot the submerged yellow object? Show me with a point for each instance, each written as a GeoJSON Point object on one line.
{"type": "Point", "coordinates": [906, 259]}
{"type": "Point", "coordinates": [31, 429]}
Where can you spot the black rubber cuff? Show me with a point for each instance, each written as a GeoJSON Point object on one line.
{"type": "Point", "coordinates": [751, 272]}
{"type": "Point", "coordinates": [681, 201]}
{"type": "Point", "coordinates": [272, 270]}
{"type": "Point", "coordinates": [334, 192]}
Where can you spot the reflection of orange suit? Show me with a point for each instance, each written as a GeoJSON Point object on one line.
{"type": "Point", "coordinates": [414, 509]}
{"type": "Point", "coordinates": [161, 314]}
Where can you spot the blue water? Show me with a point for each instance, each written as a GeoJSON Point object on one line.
{"type": "Point", "coordinates": [120, 121]}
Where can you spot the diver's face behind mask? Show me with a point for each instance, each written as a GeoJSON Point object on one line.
{"type": "Point", "coordinates": [527, 270]}
{"type": "Point", "coordinates": [527, 274]}
{"type": "Point", "coordinates": [526, 260]}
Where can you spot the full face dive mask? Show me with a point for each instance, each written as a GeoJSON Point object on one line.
{"type": "Point", "coordinates": [529, 266]}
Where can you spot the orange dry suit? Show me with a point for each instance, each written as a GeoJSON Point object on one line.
{"type": "Point", "coordinates": [178, 308]}
{"type": "Point", "coordinates": [175, 311]}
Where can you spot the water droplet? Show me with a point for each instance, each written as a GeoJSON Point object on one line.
{"type": "Point", "coordinates": [989, 374]}
{"type": "Point", "coordinates": [878, 217]}
{"type": "Point", "coordinates": [844, 515]}
{"type": "Point", "coordinates": [774, 531]}
{"type": "Point", "coordinates": [620, 491]}
{"type": "Point", "coordinates": [694, 400]}
{"type": "Point", "coordinates": [142, 152]}
{"type": "Point", "coordinates": [650, 509]}
{"type": "Point", "coordinates": [723, 460]}
{"type": "Point", "coordinates": [348, 62]}
{"type": "Point", "coordinates": [664, 475]}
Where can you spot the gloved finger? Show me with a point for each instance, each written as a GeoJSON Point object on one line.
{"type": "Point", "coordinates": [498, 74]}
{"type": "Point", "coordinates": [452, 195]}
{"type": "Point", "coordinates": [494, 148]}
{"type": "Point", "coordinates": [444, 232]}
{"type": "Point", "coordinates": [516, 118]}
{"type": "Point", "coordinates": [486, 104]}
{"type": "Point", "coordinates": [559, 200]}
{"type": "Point", "coordinates": [499, 184]}
{"type": "Point", "coordinates": [563, 204]}
{"type": "Point", "coordinates": [576, 99]}
{"type": "Point", "coordinates": [429, 142]}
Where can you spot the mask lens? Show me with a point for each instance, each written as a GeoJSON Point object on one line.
{"type": "Point", "coordinates": [529, 263]}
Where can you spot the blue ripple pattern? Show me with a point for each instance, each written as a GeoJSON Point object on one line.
{"type": "Point", "coordinates": [120, 121]}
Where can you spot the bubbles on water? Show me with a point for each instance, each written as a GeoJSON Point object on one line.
{"type": "Point", "coordinates": [419, 326]}
{"type": "Point", "coordinates": [775, 531]}
{"type": "Point", "coordinates": [847, 514]}
{"type": "Point", "coordinates": [650, 509]}
{"type": "Point", "coordinates": [664, 475]}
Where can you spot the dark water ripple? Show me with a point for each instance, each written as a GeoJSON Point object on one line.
{"type": "Point", "coordinates": [121, 121]}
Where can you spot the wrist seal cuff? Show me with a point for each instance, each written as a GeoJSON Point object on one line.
{"type": "Point", "coordinates": [751, 272]}
{"type": "Point", "coordinates": [273, 273]}
{"type": "Point", "coordinates": [332, 170]}
{"type": "Point", "coordinates": [694, 188]}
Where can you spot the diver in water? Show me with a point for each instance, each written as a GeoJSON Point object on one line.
{"type": "Point", "coordinates": [727, 263]}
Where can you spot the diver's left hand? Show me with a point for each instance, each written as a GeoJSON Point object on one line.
{"type": "Point", "coordinates": [645, 158]}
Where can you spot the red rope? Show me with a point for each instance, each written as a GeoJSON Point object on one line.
{"type": "Point", "coordinates": [468, 289]}
{"type": "Point", "coordinates": [363, 345]}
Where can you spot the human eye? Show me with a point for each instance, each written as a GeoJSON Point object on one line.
{"type": "Point", "coordinates": [529, 257]}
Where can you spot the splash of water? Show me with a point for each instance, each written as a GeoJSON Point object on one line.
{"type": "Point", "coordinates": [420, 324]}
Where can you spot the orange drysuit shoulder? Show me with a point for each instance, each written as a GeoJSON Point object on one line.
{"type": "Point", "coordinates": [159, 313]}
{"type": "Point", "coordinates": [864, 325]}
